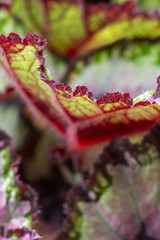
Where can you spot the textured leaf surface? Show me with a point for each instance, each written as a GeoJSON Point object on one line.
{"type": "Point", "coordinates": [121, 197]}
{"type": "Point", "coordinates": [94, 26]}
{"type": "Point", "coordinates": [76, 115]}
{"type": "Point", "coordinates": [24, 68]}
{"type": "Point", "coordinates": [18, 201]}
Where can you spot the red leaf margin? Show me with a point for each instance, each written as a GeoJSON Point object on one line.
{"type": "Point", "coordinates": [113, 115]}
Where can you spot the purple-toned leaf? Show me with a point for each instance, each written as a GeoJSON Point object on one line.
{"type": "Point", "coordinates": [18, 205]}
{"type": "Point", "coordinates": [121, 198]}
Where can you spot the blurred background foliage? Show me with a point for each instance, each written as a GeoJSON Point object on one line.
{"type": "Point", "coordinates": [144, 4]}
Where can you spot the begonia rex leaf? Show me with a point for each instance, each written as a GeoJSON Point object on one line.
{"type": "Point", "coordinates": [77, 116]}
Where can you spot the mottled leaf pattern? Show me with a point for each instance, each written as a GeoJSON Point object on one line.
{"type": "Point", "coordinates": [76, 115]}
{"type": "Point", "coordinates": [18, 206]}
{"type": "Point", "coordinates": [25, 69]}
{"type": "Point", "coordinates": [120, 199]}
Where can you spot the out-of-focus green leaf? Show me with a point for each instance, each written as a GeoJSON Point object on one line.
{"type": "Point", "coordinates": [8, 22]}
{"type": "Point", "coordinates": [144, 4]}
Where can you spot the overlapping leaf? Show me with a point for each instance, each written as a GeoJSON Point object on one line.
{"type": "Point", "coordinates": [18, 206]}
{"type": "Point", "coordinates": [76, 115]}
{"type": "Point", "coordinates": [73, 28]}
{"type": "Point", "coordinates": [121, 197]}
